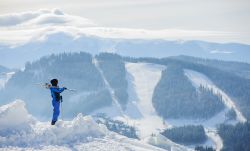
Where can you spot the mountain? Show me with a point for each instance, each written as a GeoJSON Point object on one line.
{"type": "Point", "coordinates": [28, 36]}
{"type": "Point", "coordinates": [162, 48]}
{"type": "Point", "coordinates": [63, 42]}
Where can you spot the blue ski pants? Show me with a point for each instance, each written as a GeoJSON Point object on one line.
{"type": "Point", "coordinates": [56, 110]}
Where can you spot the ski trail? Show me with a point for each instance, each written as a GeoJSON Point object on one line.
{"type": "Point", "coordinates": [212, 134]}
{"type": "Point", "coordinates": [200, 79]}
{"type": "Point", "coordinates": [107, 85]}
{"type": "Point", "coordinates": [142, 79]}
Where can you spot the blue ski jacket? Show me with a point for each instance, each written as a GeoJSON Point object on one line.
{"type": "Point", "coordinates": [55, 89]}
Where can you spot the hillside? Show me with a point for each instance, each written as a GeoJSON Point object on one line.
{"type": "Point", "coordinates": [146, 95]}
{"type": "Point", "coordinates": [80, 73]}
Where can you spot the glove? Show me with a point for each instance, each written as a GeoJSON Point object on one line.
{"type": "Point", "coordinates": [65, 88]}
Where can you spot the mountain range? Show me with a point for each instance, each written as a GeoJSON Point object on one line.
{"type": "Point", "coordinates": [30, 35]}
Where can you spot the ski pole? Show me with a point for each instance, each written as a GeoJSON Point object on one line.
{"type": "Point", "coordinates": [47, 86]}
{"type": "Point", "coordinates": [61, 107]}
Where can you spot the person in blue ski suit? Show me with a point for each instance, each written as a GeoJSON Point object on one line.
{"type": "Point", "coordinates": [56, 99]}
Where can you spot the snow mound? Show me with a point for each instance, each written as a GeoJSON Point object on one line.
{"type": "Point", "coordinates": [14, 116]}
{"type": "Point", "coordinates": [18, 128]}
{"type": "Point", "coordinates": [20, 131]}
{"type": "Point", "coordinates": [161, 141]}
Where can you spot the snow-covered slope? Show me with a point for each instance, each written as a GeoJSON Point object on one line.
{"type": "Point", "coordinates": [215, 137]}
{"type": "Point", "coordinates": [142, 79]}
{"type": "Point", "coordinates": [20, 131]}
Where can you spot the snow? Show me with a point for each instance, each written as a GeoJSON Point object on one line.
{"type": "Point", "coordinates": [20, 131]}
{"type": "Point", "coordinates": [9, 118]}
{"type": "Point", "coordinates": [16, 124]}
{"type": "Point", "coordinates": [4, 78]}
{"type": "Point", "coordinates": [161, 141]}
{"type": "Point", "coordinates": [101, 144]}
{"type": "Point", "coordinates": [214, 136]}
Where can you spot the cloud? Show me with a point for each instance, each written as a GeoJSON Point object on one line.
{"type": "Point", "coordinates": [18, 18]}
{"type": "Point", "coordinates": [42, 17]}
{"type": "Point", "coordinates": [18, 29]}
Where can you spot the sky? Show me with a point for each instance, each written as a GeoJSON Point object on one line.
{"type": "Point", "coordinates": [232, 16]}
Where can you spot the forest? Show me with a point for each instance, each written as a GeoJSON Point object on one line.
{"type": "Point", "coordinates": [201, 148]}
{"type": "Point", "coordinates": [235, 137]}
{"type": "Point", "coordinates": [186, 134]}
{"type": "Point", "coordinates": [176, 97]}
{"type": "Point", "coordinates": [114, 70]}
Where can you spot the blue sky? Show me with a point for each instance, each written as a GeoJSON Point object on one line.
{"type": "Point", "coordinates": [210, 15]}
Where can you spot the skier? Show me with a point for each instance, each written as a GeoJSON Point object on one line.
{"type": "Point", "coordinates": [56, 99]}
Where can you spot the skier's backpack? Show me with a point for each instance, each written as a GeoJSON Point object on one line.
{"type": "Point", "coordinates": [58, 97]}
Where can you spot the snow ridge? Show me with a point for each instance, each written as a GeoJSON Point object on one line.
{"type": "Point", "coordinates": [18, 128]}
